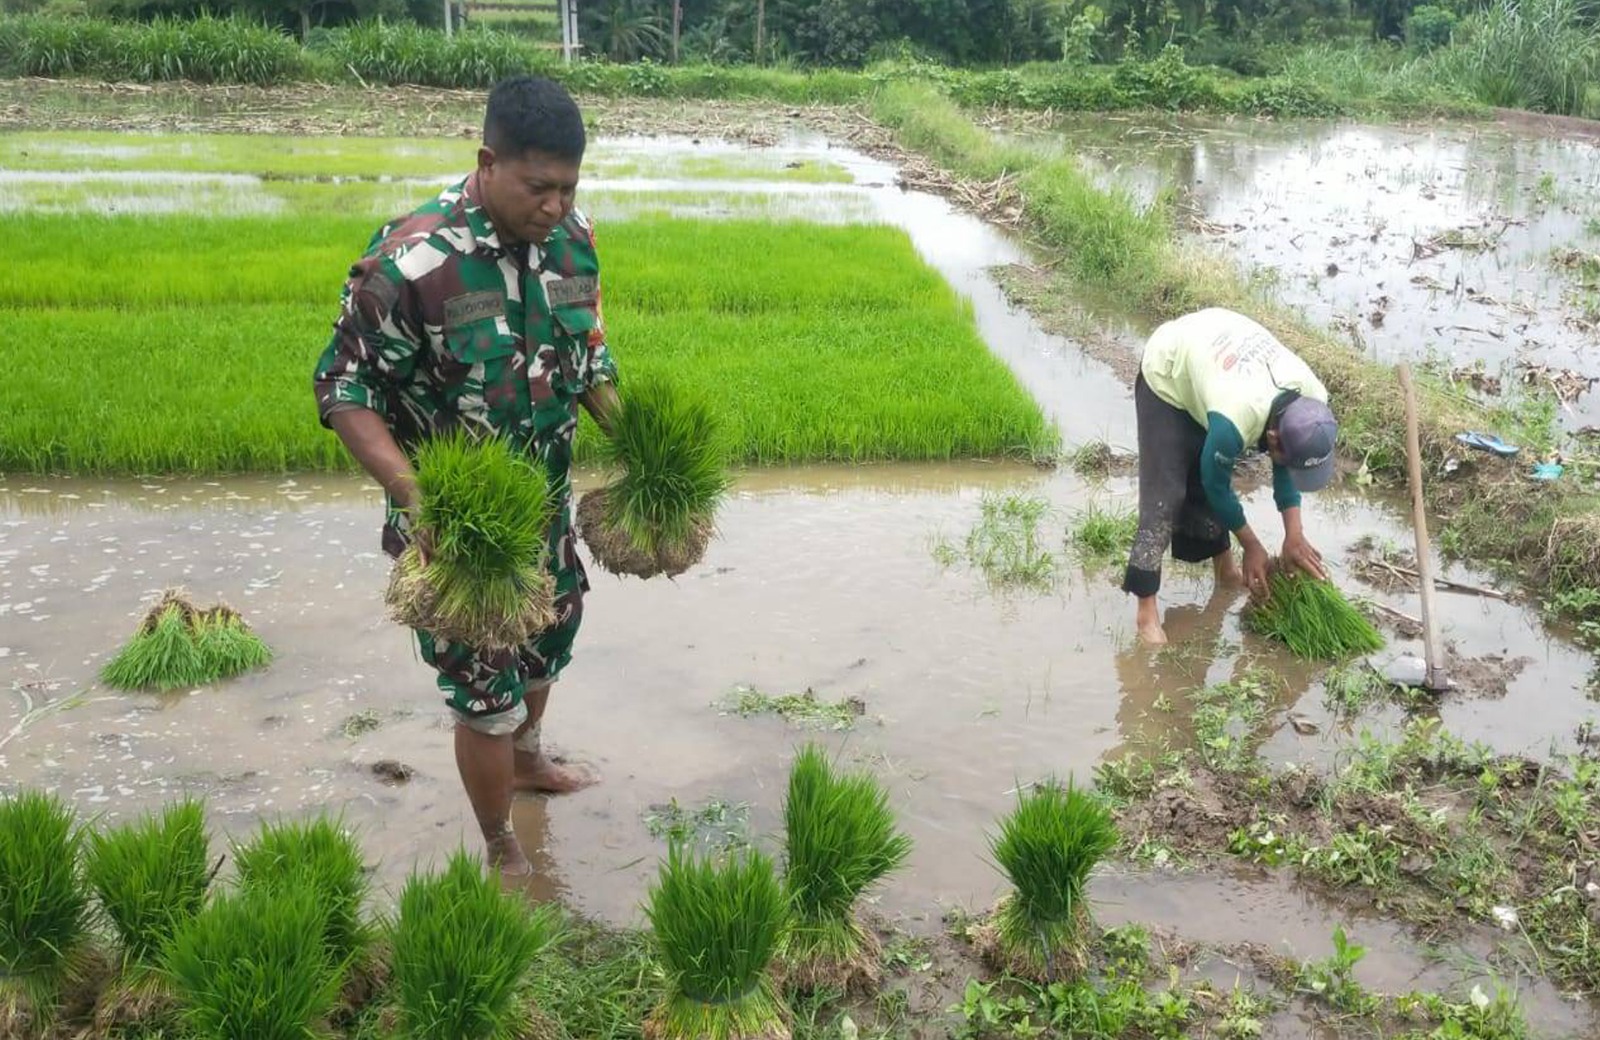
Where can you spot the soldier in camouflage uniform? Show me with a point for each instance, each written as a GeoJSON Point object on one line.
{"type": "Point", "coordinates": [482, 308]}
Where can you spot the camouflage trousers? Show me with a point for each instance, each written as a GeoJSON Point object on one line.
{"type": "Point", "coordinates": [485, 689]}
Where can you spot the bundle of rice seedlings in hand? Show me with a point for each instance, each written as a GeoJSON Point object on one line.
{"type": "Point", "coordinates": [44, 910]}
{"type": "Point", "coordinates": [657, 516]}
{"type": "Point", "coordinates": [248, 967]}
{"type": "Point", "coordinates": [151, 878]}
{"type": "Point", "coordinates": [487, 509]}
{"type": "Point", "coordinates": [717, 929]}
{"type": "Point", "coordinates": [320, 857]}
{"type": "Point", "coordinates": [1311, 617]}
{"type": "Point", "coordinates": [462, 949]}
{"type": "Point", "coordinates": [178, 645]}
{"type": "Point", "coordinates": [1047, 847]}
{"type": "Point", "coordinates": [840, 839]}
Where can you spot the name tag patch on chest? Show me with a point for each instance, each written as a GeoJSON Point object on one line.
{"type": "Point", "coordinates": [564, 292]}
{"type": "Point", "coordinates": [463, 310]}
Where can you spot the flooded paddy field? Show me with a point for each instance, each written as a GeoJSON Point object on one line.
{"type": "Point", "coordinates": [837, 604]}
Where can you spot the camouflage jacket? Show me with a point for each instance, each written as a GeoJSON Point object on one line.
{"type": "Point", "coordinates": [441, 325]}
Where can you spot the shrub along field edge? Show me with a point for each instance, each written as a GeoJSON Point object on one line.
{"type": "Point", "coordinates": [1549, 534]}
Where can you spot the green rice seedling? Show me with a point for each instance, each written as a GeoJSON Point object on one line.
{"type": "Point", "coordinates": [487, 507]}
{"type": "Point", "coordinates": [227, 645]}
{"type": "Point", "coordinates": [657, 515]}
{"type": "Point", "coordinates": [150, 878]}
{"type": "Point", "coordinates": [44, 907]}
{"type": "Point", "coordinates": [318, 855]}
{"type": "Point", "coordinates": [1311, 617]}
{"type": "Point", "coordinates": [839, 840]}
{"type": "Point", "coordinates": [243, 968]}
{"type": "Point", "coordinates": [1101, 535]}
{"type": "Point", "coordinates": [1047, 847]}
{"type": "Point", "coordinates": [462, 949]}
{"type": "Point", "coordinates": [178, 645]}
{"type": "Point", "coordinates": [717, 928]}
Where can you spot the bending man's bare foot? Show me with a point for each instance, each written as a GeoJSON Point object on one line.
{"type": "Point", "coordinates": [538, 773]}
{"type": "Point", "coordinates": [1148, 622]}
{"type": "Point", "coordinates": [506, 855]}
{"type": "Point", "coordinates": [1152, 634]}
{"type": "Point", "coordinates": [1227, 572]}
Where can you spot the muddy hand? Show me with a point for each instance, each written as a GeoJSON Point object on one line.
{"type": "Point", "coordinates": [1302, 554]}
{"type": "Point", "coordinates": [1255, 570]}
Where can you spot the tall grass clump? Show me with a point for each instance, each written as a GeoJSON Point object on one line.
{"type": "Point", "coordinates": [1047, 847]}
{"type": "Point", "coordinates": [839, 839]}
{"type": "Point", "coordinates": [1311, 617]}
{"type": "Point", "coordinates": [657, 515]}
{"type": "Point", "coordinates": [180, 645]}
{"type": "Point", "coordinates": [486, 507]}
{"type": "Point", "coordinates": [1533, 54]}
{"type": "Point", "coordinates": [717, 929]}
{"type": "Point", "coordinates": [318, 856]}
{"type": "Point", "coordinates": [248, 966]}
{"type": "Point", "coordinates": [462, 949]}
{"type": "Point", "coordinates": [44, 908]}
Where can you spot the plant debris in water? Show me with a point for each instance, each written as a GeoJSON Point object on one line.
{"type": "Point", "coordinates": [486, 507]}
{"type": "Point", "coordinates": [839, 840]}
{"type": "Point", "coordinates": [805, 709]}
{"type": "Point", "coordinates": [657, 515]}
{"type": "Point", "coordinates": [716, 826]}
{"type": "Point", "coordinates": [1311, 617]}
{"type": "Point", "coordinates": [1103, 535]}
{"type": "Point", "coordinates": [179, 645]}
{"type": "Point", "coordinates": [1005, 544]}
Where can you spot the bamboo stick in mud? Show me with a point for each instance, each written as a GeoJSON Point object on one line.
{"type": "Point", "coordinates": [1434, 678]}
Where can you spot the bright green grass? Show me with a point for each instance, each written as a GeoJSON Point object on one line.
{"type": "Point", "coordinates": [194, 352]}
{"type": "Point", "coordinates": [282, 156]}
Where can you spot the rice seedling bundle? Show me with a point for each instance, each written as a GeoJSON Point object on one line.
{"type": "Point", "coordinates": [247, 967]}
{"type": "Point", "coordinates": [150, 878]}
{"type": "Point", "coordinates": [717, 928]}
{"type": "Point", "coordinates": [1311, 617]}
{"type": "Point", "coordinates": [487, 507]}
{"type": "Point", "coordinates": [657, 515]}
{"type": "Point", "coordinates": [462, 949]}
{"type": "Point", "coordinates": [44, 908]}
{"type": "Point", "coordinates": [1047, 847]}
{"type": "Point", "coordinates": [840, 839]}
{"type": "Point", "coordinates": [318, 856]}
{"type": "Point", "coordinates": [179, 645]}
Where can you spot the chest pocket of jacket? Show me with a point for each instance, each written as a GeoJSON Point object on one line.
{"type": "Point", "coordinates": [572, 328]}
{"type": "Point", "coordinates": [480, 373]}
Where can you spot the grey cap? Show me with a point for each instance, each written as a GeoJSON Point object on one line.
{"type": "Point", "coordinates": [1307, 434]}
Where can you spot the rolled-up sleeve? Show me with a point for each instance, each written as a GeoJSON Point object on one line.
{"type": "Point", "coordinates": [375, 344]}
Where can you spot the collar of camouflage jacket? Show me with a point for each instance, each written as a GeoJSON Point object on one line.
{"type": "Point", "coordinates": [477, 217]}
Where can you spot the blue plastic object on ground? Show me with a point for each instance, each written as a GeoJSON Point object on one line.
{"type": "Point", "coordinates": [1488, 442]}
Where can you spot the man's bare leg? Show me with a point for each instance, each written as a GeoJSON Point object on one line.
{"type": "Point", "coordinates": [486, 765]}
{"type": "Point", "coordinates": [1148, 622]}
{"type": "Point", "coordinates": [535, 771]}
{"type": "Point", "coordinates": [1226, 569]}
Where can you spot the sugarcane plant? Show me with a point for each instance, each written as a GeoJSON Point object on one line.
{"type": "Point", "coordinates": [717, 928]}
{"type": "Point", "coordinates": [1310, 616]}
{"type": "Point", "coordinates": [462, 952]}
{"type": "Point", "coordinates": [480, 575]}
{"type": "Point", "coordinates": [657, 514]}
{"type": "Point", "coordinates": [44, 910]}
{"type": "Point", "coordinates": [840, 839]}
{"type": "Point", "coordinates": [179, 645]}
{"type": "Point", "coordinates": [1047, 847]}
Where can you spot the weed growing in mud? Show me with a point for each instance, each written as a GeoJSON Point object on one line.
{"type": "Point", "coordinates": [1227, 720]}
{"type": "Point", "coordinates": [44, 907]}
{"type": "Point", "coordinates": [804, 709]}
{"type": "Point", "coordinates": [717, 826]}
{"type": "Point", "coordinates": [1048, 846]}
{"type": "Point", "coordinates": [1005, 544]}
{"type": "Point", "coordinates": [242, 969]}
{"type": "Point", "coordinates": [462, 948]}
{"type": "Point", "coordinates": [1103, 535]}
{"type": "Point", "coordinates": [151, 877]}
{"type": "Point", "coordinates": [1350, 689]}
{"type": "Point", "coordinates": [1479, 1017]}
{"type": "Point", "coordinates": [717, 928]}
{"type": "Point", "coordinates": [318, 855]}
{"type": "Point", "coordinates": [1333, 979]}
{"type": "Point", "coordinates": [1311, 617]}
{"type": "Point", "coordinates": [839, 840]}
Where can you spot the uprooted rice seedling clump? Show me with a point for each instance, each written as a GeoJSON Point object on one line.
{"type": "Point", "coordinates": [462, 950]}
{"type": "Point", "coordinates": [44, 907]}
{"type": "Point", "coordinates": [486, 506]}
{"type": "Point", "coordinates": [657, 515]}
{"type": "Point", "coordinates": [150, 877]}
{"type": "Point", "coordinates": [717, 929]}
{"type": "Point", "coordinates": [1311, 617]}
{"type": "Point", "coordinates": [179, 645]}
{"type": "Point", "coordinates": [1047, 846]}
{"type": "Point", "coordinates": [839, 840]}
{"type": "Point", "coordinates": [322, 857]}
{"type": "Point", "coordinates": [1103, 535]}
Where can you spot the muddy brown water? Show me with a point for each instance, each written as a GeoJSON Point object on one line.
{"type": "Point", "coordinates": [1342, 213]}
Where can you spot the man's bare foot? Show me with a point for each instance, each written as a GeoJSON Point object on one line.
{"type": "Point", "coordinates": [505, 854]}
{"type": "Point", "coordinates": [541, 774]}
{"type": "Point", "coordinates": [1152, 634]}
{"type": "Point", "coordinates": [1228, 575]}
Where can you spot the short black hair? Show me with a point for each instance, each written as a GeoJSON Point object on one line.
{"type": "Point", "coordinates": [533, 114]}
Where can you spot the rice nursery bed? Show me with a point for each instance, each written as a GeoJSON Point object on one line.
{"type": "Point", "coordinates": [228, 316]}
